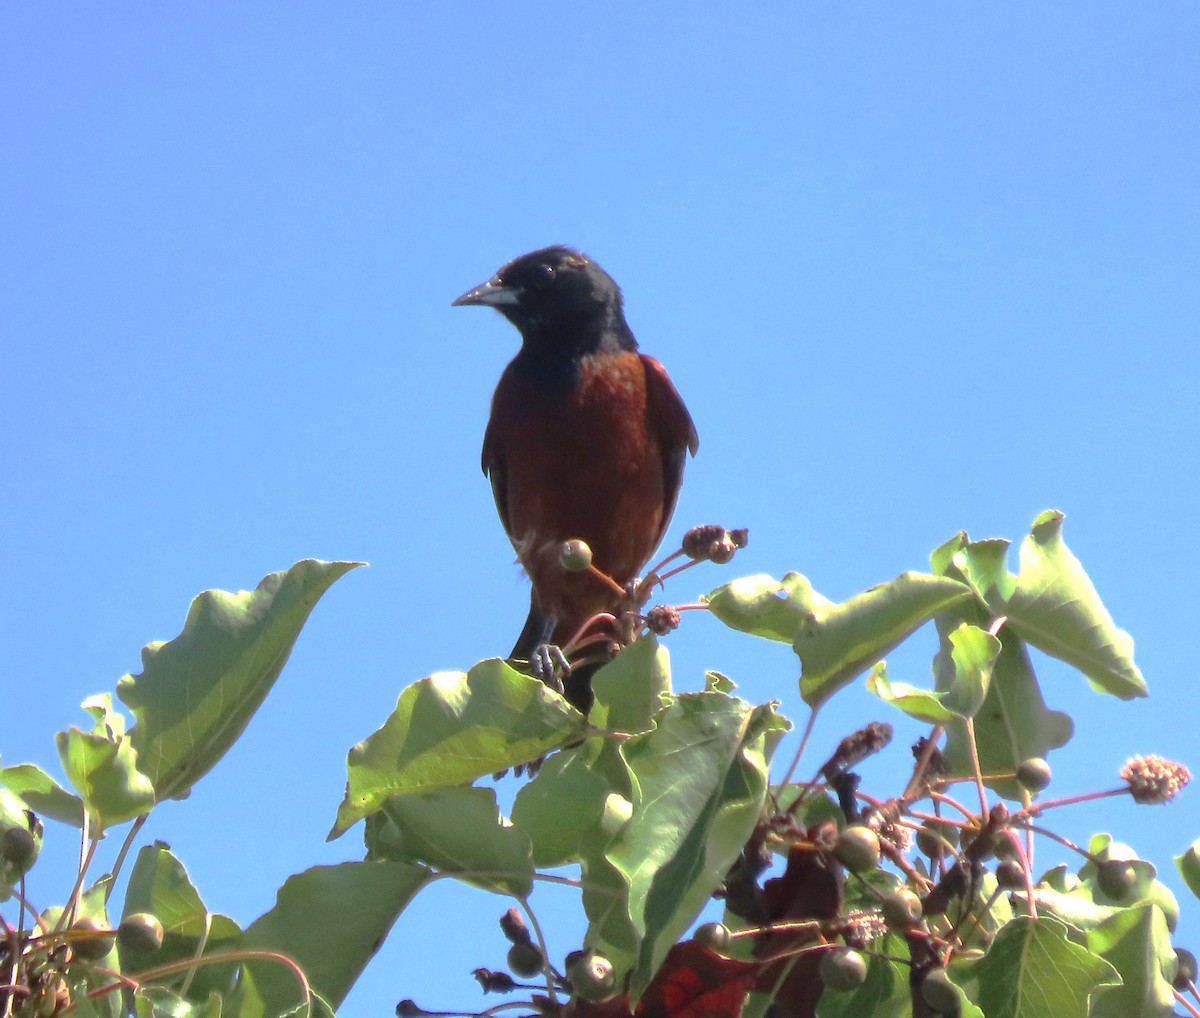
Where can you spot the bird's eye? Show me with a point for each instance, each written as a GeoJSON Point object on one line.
{"type": "Point", "coordinates": [545, 273]}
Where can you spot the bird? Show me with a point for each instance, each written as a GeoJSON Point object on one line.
{"type": "Point", "coordinates": [586, 440]}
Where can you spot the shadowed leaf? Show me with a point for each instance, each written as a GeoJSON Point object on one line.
{"type": "Point", "coordinates": [460, 830]}
{"type": "Point", "coordinates": [330, 920]}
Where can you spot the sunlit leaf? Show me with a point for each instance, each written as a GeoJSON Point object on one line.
{"type": "Point", "coordinates": [452, 728]}
{"type": "Point", "coordinates": [42, 793]}
{"type": "Point", "coordinates": [1014, 722]}
{"type": "Point", "coordinates": [159, 1002]}
{"type": "Point", "coordinates": [973, 654]}
{"type": "Point", "coordinates": [1135, 941]}
{"type": "Point", "coordinates": [715, 682]}
{"type": "Point", "coordinates": [103, 767]}
{"type": "Point", "coordinates": [1188, 863]}
{"type": "Point", "coordinates": [629, 689]}
{"type": "Point", "coordinates": [249, 1001]}
{"type": "Point", "coordinates": [196, 693]}
{"type": "Point", "coordinates": [700, 780]}
{"type": "Point", "coordinates": [766, 607]}
{"type": "Point", "coordinates": [1053, 605]}
{"type": "Point", "coordinates": [922, 704]}
{"type": "Point", "coordinates": [837, 642]}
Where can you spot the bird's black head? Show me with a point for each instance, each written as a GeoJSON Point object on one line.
{"type": "Point", "coordinates": [562, 302]}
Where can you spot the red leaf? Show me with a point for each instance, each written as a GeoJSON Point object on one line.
{"type": "Point", "coordinates": [810, 888]}
{"type": "Point", "coordinates": [695, 983]}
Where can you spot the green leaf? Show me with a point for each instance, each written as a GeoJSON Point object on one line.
{"type": "Point", "coordinates": [1014, 723]}
{"type": "Point", "coordinates": [562, 805]}
{"type": "Point", "coordinates": [715, 682]}
{"type": "Point", "coordinates": [249, 1001]}
{"type": "Point", "coordinates": [452, 728]}
{"type": "Point", "coordinates": [973, 654]}
{"type": "Point", "coordinates": [629, 689]}
{"type": "Point", "coordinates": [42, 793]}
{"type": "Point", "coordinates": [83, 1006]}
{"type": "Point", "coordinates": [700, 781]}
{"type": "Point", "coordinates": [157, 1002]}
{"type": "Point", "coordinates": [196, 694]}
{"type": "Point", "coordinates": [459, 830]}
{"type": "Point", "coordinates": [160, 885]}
{"type": "Point", "coordinates": [330, 920]}
{"type": "Point", "coordinates": [837, 642]}
{"type": "Point", "coordinates": [1053, 605]}
{"type": "Point", "coordinates": [1032, 970]}
{"type": "Point", "coordinates": [1076, 907]}
{"type": "Point", "coordinates": [102, 765]}
{"type": "Point", "coordinates": [766, 607]}
{"type": "Point", "coordinates": [1135, 941]}
{"type": "Point", "coordinates": [922, 704]}
{"type": "Point", "coordinates": [984, 565]}
{"type": "Point", "coordinates": [1188, 863]}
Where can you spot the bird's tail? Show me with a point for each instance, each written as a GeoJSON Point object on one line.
{"type": "Point", "coordinates": [538, 629]}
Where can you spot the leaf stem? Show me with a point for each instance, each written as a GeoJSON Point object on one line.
{"type": "Point", "coordinates": [138, 824]}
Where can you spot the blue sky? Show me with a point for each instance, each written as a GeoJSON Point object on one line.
{"type": "Point", "coordinates": [914, 269]}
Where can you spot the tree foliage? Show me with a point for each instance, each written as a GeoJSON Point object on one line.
{"type": "Point", "coordinates": [920, 900]}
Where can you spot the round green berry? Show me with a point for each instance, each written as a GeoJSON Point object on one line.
{"type": "Point", "coordinates": [857, 849]}
{"type": "Point", "coordinates": [843, 969]}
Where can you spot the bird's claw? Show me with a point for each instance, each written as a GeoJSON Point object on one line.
{"type": "Point", "coordinates": [550, 665]}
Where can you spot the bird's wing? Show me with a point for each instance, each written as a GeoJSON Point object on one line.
{"type": "Point", "coordinates": [492, 461]}
{"type": "Point", "coordinates": [676, 433]}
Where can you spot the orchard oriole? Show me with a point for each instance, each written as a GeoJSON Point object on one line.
{"type": "Point", "coordinates": [587, 439]}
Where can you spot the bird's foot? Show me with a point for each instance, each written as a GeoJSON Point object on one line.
{"type": "Point", "coordinates": [550, 665]}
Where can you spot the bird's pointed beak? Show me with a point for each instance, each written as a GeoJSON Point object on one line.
{"type": "Point", "coordinates": [492, 294]}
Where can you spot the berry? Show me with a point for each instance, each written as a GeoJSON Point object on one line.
{"type": "Point", "coordinates": [1186, 971]}
{"type": "Point", "coordinates": [525, 961]}
{"type": "Point", "coordinates": [843, 969]}
{"type": "Point", "coordinates": [902, 909]}
{"type": "Point", "coordinates": [575, 556]}
{"type": "Point", "coordinates": [857, 849]}
{"type": "Point", "coordinates": [721, 551]}
{"type": "Point", "coordinates": [592, 977]}
{"type": "Point", "coordinates": [939, 992]}
{"type": "Point", "coordinates": [141, 931]}
{"type": "Point", "coordinates": [1033, 774]}
{"type": "Point", "coordinates": [1116, 878]}
{"type": "Point", "coordinates": [1010, 875]}
{"type": "Point", "coordinates": [90, 939]}
{"type": "Point", "coordinates": [712, 937]}
{"type": "Point", "coordinates": [936, 837]}
{"type": "Point", "coordinates": [19, 847]}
